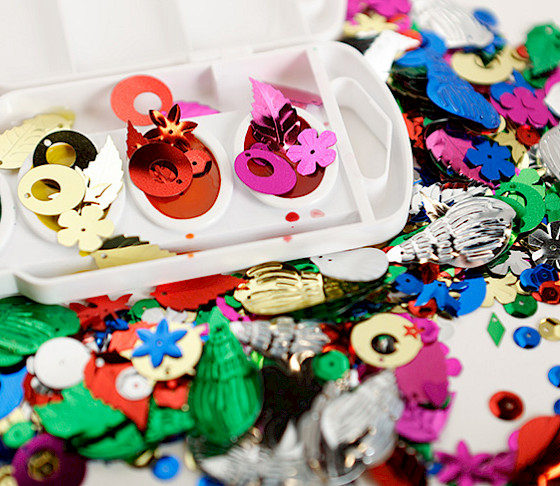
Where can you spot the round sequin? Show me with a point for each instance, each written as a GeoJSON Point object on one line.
{"type": "Point", "coordinates": [506, 405]}
{"type": "Point", "coordinates": [82, 147]}
{"type": "Point", "coordinates": [557, 407]}
{"type": "Point", "coordinates": [385, 341]}
{"type": "Point", "coordinates": [166, 467]}
{"type": "Point", "coordinates": [527, 135]}
{"type": "Point", "coordinates": [549, 329]}
{"type": "Point", "coordinates": [160, 170]}
{"type": "Point", "coordinates": [526, 337]}
{"type": "Point", "coordinates": [554, 376]}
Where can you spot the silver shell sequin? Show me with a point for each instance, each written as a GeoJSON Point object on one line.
{"type": "Point", "coordinates": [347, 430]}
{"type": "Point", "coordinates": [472, 233]}
{"type": "Point", "coordinates": [457, 27]}
{"type": "Point", "coordinates": [281, 338]}
{"type": "Point", "coordinates": [344, 431]}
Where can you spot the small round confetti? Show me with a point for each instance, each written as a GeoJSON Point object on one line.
{"type": "Point", "coordinates": [506, 405]}
{"type": "Point", "coordinates": [557, 407]}
{"type": "Point", "coordinates": [526, 337]}
{"type": "Point", "coordinates": [554, 376]}
{"type": "Point", "coordinates": [166, 467]}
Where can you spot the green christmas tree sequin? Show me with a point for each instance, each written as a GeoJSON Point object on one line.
{"type": "Point", "coordinates": [226, 395]}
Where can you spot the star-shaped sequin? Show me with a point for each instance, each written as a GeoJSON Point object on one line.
{"type": "Point", "coordinates": [462, 467]}
{"type": "Point", "coordinates": [159, 343]}
{"type": "Point", "coordinates": [412, 330]}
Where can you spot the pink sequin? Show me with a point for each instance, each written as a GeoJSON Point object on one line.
{"type": "Point", "coordinates": [313, 150]}
{"type": "Point", "coordinates": [388, 8]}
{"type": "Point", "coordinates": [525, 106]}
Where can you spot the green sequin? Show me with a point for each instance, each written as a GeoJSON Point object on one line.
{"type": "Point", "coordinates": [330, 366]}
{"type": "Point", "coordinates": [543, 47]}
{"type": "Point", "coordinates": [25, 325]}
{"type": "Point", "coordinates": [522, 306]}
{"type": "Point", "coordinates": [227, 393]}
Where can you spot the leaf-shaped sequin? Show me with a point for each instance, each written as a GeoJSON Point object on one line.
{"type": "Point", "coordinates": [275, 120]}
{"type": "Point", "coordinates": [103, 176]}
{"type": "Point", "coordinates": [134, 140]}
{"type": "Point", "coordinates": [267, 101]}
{"type": "Point", "coordinates": [18, 142]}
{"type": "Point", "coordinates": [129, 254]}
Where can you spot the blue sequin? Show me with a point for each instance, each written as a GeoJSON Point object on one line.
{"type": "Point", "coordinates": [408, 284]}
{"type": "Point", "coordinates": [554, 376]}
{"type": "Point", "coordinates": [445, 88]}
{"type": "Point", "coordinates": [493, 159]}
{"type": "Point", "coordinates": [159, 343]}
{"type": "Point", "coordinates": [11, 391]}
{"type": "Point", "coordinates": [526, 337]}
{"type": "Point", "coordinates": [498, 89]}
{"type": "Point", "coordinates": [533, 278]}
{"type": "Point", "coordinates": [166, 467]}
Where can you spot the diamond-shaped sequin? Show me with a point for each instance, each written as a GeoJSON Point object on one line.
{"type": "Point", "coordinates": [496, 329]}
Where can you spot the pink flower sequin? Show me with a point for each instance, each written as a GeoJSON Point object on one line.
{"type": "Point", "coordinates": [313, 150]}
{"type": "Point", "coordinates": [525, 106]}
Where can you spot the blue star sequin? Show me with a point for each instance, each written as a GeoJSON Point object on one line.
{"type": "Point", "coordinates": [493, 160]}
{"type": "Point", "coordinates": [159, 343]}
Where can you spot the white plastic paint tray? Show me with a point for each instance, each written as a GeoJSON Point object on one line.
{"type": "Point", "coordinates": [94, 46]}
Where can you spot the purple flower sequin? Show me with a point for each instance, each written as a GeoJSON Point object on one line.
{"type": "Point", "coordinates": [524, 105]}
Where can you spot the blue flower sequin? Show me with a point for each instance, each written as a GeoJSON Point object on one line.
{"type": "Point", "coordinates": [493, 159]}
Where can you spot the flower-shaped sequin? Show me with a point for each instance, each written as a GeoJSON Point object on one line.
{"type": "Point", "coordinates": [86, 228]}
{"type": "Point", "coordinates": [159, 343]}
{"type": "Point", "coordinates": [514, 261]}
{"type": "Point", "coordinates": [500, 289]}
{"type": "Point", "coordinates": [493, 160]}
{"type": "Point", "coordinates": [313, 150]}
{"type": "Point", "coordinates": [547, 244]}
{"type": "Point", "coordinates": [525, 106]}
